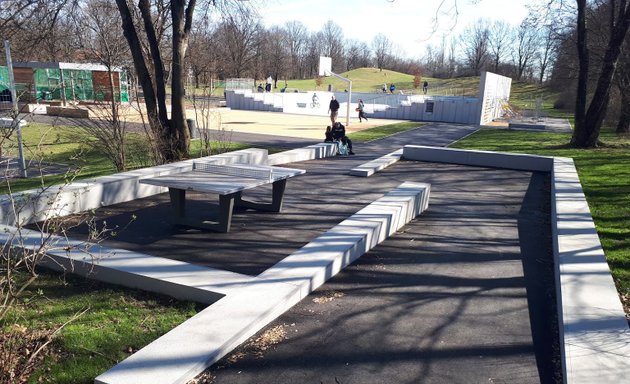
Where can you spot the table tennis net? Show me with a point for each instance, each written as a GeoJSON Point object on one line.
{"type": "Point", "coordinates": [233, 170]}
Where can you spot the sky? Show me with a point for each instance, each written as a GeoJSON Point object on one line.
{"type": "Point", "coordinates": [407, 23]}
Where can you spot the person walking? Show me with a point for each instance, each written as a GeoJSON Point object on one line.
{"type": "Point", "coordinates": [268, 85]}
{"type": "Point", "coordinates": [333, 109]}
{"type": "Point", "coordinates": [392, 88]}
{"type": "Point", "coordinates": [425, 87]}
{"type": "Point", "coordinates": [360, 108]}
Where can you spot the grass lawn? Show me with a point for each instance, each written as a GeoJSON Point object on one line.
{"type": "Point", "coordinates": [605, 176]}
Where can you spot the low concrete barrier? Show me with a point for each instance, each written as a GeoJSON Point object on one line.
{"type": "Point", "coordinates": [43, 203]}
{"type": "Point", "coordinates": [595, 338]}
{"type": "Point", "coordinates": [311, 152]}
{"type": "Point", "coordinates": [371, 167]}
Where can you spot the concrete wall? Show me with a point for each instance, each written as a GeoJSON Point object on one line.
{"type": "Point", "coordinates": [494, 91]}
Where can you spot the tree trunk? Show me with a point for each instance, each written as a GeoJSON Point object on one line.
{"type": "Point", "coordinates": [580, 100]}
{"type": "Point", "coordinates": [143, 73]}
{"type": "Point", "coordinates": [182, 22]}
{"type": "Point", "coordinates": [623, 125]}
{"type": "Point", "coordinates": [119, 132]}
{"type": "Point", "coordinates": [586, 134]}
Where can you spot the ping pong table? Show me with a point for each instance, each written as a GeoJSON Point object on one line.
{"type": "Point", "coordinates": [228, 181]}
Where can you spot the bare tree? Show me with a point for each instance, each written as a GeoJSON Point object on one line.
{"type": "Point", "coordinates": [500, 40]}
{"type": "Point", "coordinates": [475, 44]}
{"type": "Point", "coordinates": [237, 36]}
{"type": "Point", "coordinates": [101, 38]}
{"type": "Point", "coordinates": [297, 36]}
{"type": "Point", "coordinates": [276, 53]}
{"type": "Point", "coordinates": [39, 29]}
{"type": "Point", "coordinates": [525, 49]}
{"type": "Point", "coordinates": [332, 44]}
{"type": "Point", "coordinates": [172, 131]}
{"type": "Point", "coordinates": [382, 48]}
{"type": "Point", "coordinates": [357, 55]}
{"type": "Point", "coordinates": [546, 49]}
{"type": "Point", "coordinates": [313, 52]}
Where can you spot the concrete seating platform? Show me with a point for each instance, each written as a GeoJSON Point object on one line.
{"type": "Point", "coordinates": [371, 167]}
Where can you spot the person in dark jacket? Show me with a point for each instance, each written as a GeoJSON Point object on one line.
{"type": "Point", "coordinates": [333, 109]}
{"type": "Point", "coordinates": [329, 136]}
{"type": "Point", "coordinates": [339, 133]}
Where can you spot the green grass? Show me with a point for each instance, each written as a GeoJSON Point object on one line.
{"type": "Point", "coordinates": [116, 323]}
{"type": "Point", "coordinates": [604, 173]}
{"type": "Point", "coordinates": [383, 131]}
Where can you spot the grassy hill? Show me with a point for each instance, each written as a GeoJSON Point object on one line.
{"type": "Point", "coordinates": [523, 95]}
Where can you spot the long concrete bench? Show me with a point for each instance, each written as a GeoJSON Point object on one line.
{"type": "Point", "coordinates": [378, 164]}
{"type": "Point", "coordinates": [595, 338]}
{"type": "Point", "coordinates": [311, 152]}
{"type": "Point", "coordinates": [79, 196]}
{"type": "Point", "coordinates": [202, 340]}
{"type": "Point", "coordinates": [170, 277]}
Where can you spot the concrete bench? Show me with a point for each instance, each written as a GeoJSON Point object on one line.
{"type": "Point", "coordinates": [5, 122]}
{"type": "Point", "coordinates": [311, 152]}
{"type": "Point", "coordinates": [371, 167]}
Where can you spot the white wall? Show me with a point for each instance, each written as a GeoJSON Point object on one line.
{"type": "Point", "coordinates": [494, 92]}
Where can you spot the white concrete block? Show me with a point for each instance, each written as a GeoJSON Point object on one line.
{"type": "Point", "coordinates": [371, 167]}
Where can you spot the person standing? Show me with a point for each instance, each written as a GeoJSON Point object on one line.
{"type": "Point", "coordinates": [392, 88]}
{"type": "Point", "coordinates": [425, 87]}
{"type": "Point", "coordinates": [333, 109]}
{"type": "Point", "coordinates": [268, 85]}
{"type": "Point", "coordinates": [360, 108]}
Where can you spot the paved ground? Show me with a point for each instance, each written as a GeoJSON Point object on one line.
{"type": "Point", "coordinates": [459, 296]}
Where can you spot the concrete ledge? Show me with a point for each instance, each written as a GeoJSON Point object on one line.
{"type": "Point", "coordinates": [595, 330]}
{"type": "Point", "coordinates": [311, 152]}
{"type": "Point", "coordinates": [371, 167]}
{"type": "Point", "coordinates": [322, 258]}
{"type": "Point", "coordinates": [521, 162]}
{"type": "Point", "coordinates": [208, 336]}
{"type": "Point", "coordinates": [595, 338]}
{"type": "Point", "coordinates": [6, 122]}
{"type": "Point", "coordinates": [40, 204]}
{"type": "Point", "coordinates": [131, 269]}
{"type": "Point", "coordinates": [68, 112]}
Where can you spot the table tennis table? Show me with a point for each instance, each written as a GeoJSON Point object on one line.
{"type": "Point", "coordinates": [228, 181]}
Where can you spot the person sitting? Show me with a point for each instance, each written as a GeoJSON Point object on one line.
{"type": "Point", "coordinates": [339, 133]}
{"type": "Point", "coordinates": [329, 135]}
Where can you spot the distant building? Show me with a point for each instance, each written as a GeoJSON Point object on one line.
{"type": "Point", "coordinates": [42, 81]}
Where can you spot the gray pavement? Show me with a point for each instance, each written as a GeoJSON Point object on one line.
{"type": "Point", "coordinates": [462, 295]}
